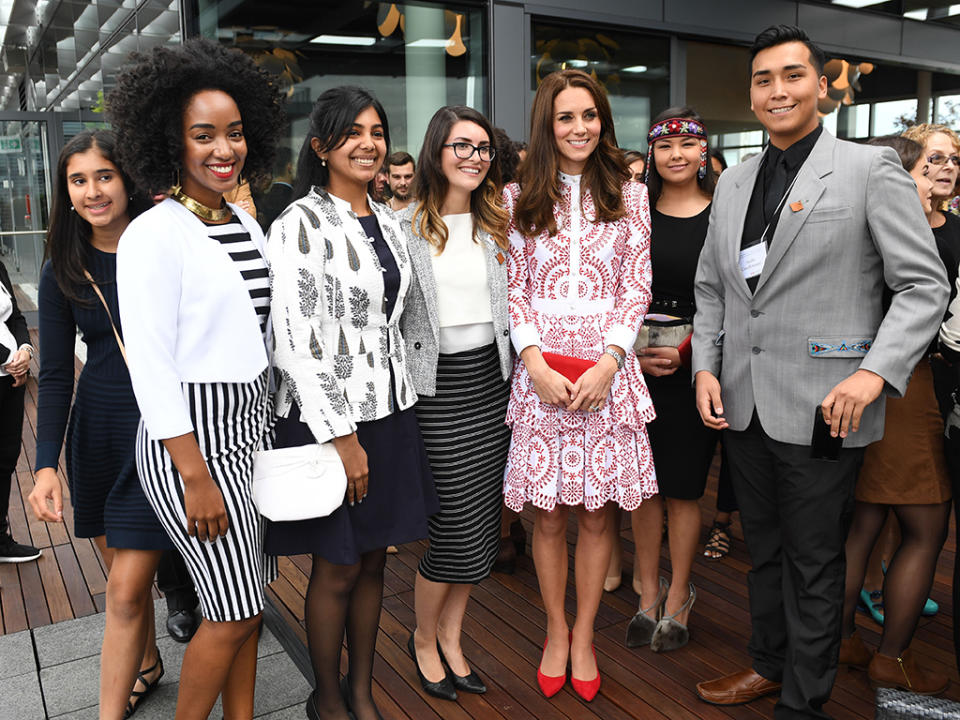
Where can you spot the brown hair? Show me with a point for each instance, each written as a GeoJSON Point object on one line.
{"type": "Point", "coordinates": [430, 184]}
{"type": "Point", "coordinates": [922, 132]}
{"type": "Point", "coordinates": [603, 175]}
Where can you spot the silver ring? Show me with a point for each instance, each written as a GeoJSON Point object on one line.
{"type": "Point", "coordinates": [594, 408]}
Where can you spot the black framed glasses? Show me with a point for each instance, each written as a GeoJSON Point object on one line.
{"type": "Point", "coordinates": [465, 151]}
{"type": "Point", "coordinates": [938, 158]}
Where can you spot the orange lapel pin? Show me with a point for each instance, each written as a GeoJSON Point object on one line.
{"type": "Point", "coordinates": [500, 258]}
{"type": "Point", "coordinates": [796, 206]}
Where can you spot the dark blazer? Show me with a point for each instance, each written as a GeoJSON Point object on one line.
{"type": "Point", "coordinates": [16, 323]}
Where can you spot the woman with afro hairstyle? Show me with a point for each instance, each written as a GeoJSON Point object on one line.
{"type": "Point", "coordinates": [194, 301]}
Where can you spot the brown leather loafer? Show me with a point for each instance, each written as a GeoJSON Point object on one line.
{"type": "Point", "coordinates": [736, 689]}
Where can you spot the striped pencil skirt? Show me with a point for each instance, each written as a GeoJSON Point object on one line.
{"type": "Point", "coordinates": [230, 572]}
{"type": "Point", "coordinates": [467, 442]}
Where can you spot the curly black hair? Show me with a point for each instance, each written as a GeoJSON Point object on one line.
{"type": "Point", "coordinates": [146, 108]}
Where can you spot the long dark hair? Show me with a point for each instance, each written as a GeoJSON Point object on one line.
{"type": "Point", "coordinates": [331, 118]}
{"type": "Point", "coordinates": [603, 175]}
{"type": "Point", "coordinates": [68, 235]}
{"type": "Point", "coordinates": [430, 184]}
{"type": "Point", "coordinates": [707, 183]}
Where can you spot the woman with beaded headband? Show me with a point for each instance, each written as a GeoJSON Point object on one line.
{"type": "Point", "coordinates": [194, 299]}
{"type": "Point", "coordinates": [578, 288]}
{"type": "Point", "coordinates": [681, 182]}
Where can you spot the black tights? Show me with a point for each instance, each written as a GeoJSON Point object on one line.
{"type": "Point", "coordinates": [344, 597]}
{"type": "Point", "coordinates": [923, 529]}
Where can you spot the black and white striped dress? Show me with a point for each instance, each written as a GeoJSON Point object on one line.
{"type": "Point", "coordinates": [229, 421]}
{"type": "Point", "coordinates": [467, 443]}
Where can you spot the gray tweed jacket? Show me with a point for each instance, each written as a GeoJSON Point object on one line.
{"type": "Point", "coordinates": [419, 323]}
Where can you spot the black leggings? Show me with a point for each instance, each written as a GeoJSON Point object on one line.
{"type": "Point", "coordinates": [11, 430]}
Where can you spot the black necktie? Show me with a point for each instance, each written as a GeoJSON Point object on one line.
{"type": "Point", "coordinates": [776, 187]}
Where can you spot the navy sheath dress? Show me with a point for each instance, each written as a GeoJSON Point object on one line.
{"type": "Point", "coordinates": [102, 428]}
{"type": "Point", "coordinates": [401, 493]}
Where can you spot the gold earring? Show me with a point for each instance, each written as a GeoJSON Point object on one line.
{"type": "Point", "coordinates": [176, 186]}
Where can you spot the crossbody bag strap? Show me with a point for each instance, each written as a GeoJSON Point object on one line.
{"type": "Point", "coordinates": [106, 307]}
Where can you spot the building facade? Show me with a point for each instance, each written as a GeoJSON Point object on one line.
{"type": "Point", "coordinates": [892, 63]}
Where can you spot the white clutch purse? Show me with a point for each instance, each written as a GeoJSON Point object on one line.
{"type": "Point", "coordinates": [298, 483]}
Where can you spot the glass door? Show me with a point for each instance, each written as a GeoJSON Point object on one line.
{"type": "Point", "coordinates": [24, 200]}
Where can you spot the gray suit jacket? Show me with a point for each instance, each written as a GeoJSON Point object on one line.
{"type": "Point", "coordinates": [420, 325]}
{"type": "Point", "coordinates": [851, 224]}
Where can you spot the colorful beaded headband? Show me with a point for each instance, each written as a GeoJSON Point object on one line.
{"type": "Point", "coordinates": [677, 127]}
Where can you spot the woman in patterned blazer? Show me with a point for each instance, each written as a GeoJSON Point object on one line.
{"type": "Point", "coordinates": [340, 271]}
{"type": "Point", "coordinates": [458, 343]}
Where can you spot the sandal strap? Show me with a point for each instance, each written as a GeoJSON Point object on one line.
{"type": "Point", "coordinates": [142, 677]}
{"type": "Point", "coordinates": [719, 536]}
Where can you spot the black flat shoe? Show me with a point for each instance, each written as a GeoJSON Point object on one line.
{"type": "Point", "coordinates": [467, 683]}
{"type": "Point", "coordinates": [311, 708]}
{"type": "Point", "coordinates": [182, 624]}
{"type": "Point", "coordinates": [442, 689]}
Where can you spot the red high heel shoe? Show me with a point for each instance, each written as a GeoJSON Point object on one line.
{"type": "Point", "coordinates": [550, 686]}
{"type": "Point", "coordinates": [587, 689]}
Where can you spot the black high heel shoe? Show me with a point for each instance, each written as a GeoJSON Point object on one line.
{"type": "Point", "coordinates": [442, 689]}
{"type": "Point", "coordinates": [467, 683]}
{"type": "Point", "coordinates": [519, 537]}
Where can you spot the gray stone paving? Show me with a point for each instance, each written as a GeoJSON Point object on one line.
{"type": "Point", "coordinates": [53, 672]}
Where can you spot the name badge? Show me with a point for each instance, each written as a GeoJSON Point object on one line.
{"type": "Point", "coordinates": [752, 259]}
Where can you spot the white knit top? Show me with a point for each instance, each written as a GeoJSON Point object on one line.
{"type": "Point", "coordinates": [463, 290]}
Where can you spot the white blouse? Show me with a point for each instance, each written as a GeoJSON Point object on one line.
{"type": "Point", "coordinates": [463, 289]}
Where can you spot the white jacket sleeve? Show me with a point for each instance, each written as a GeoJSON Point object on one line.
{"type": "Point", "coordinates": [296, 253]}
{"type": "Point", "coordinates": [149, 278]}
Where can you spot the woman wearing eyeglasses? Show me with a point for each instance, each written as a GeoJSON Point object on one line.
{"type": "Point", "coordinates": [941, 150]}
{"type": "Point", "coordinates": [456, 327]}
{"type": "Point", "coordinates": [905, 472]}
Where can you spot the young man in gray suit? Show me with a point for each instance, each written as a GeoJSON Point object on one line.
{"type": "Point", "coordinates": [790, 323]}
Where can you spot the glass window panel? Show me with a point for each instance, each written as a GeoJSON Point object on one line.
{"type": "Point", "coordinates": [893, 116]}
{"type": "Point", "coordinates": [718, 85]}
{"type": "Point", "coordinates": [24, 190]}
{"type": "Point", "coordinates": [414, 57]}
{"type": "Point", "coordinates": [853, 121]}
{"type": "Point", "coordinates": [632, 67]}
{"type": "Point", "coordinates": [948, 110]}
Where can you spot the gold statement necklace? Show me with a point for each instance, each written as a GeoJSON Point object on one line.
{"type": "Point", "coordinates": [209, 214]}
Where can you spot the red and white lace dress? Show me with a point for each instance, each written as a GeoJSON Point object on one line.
{"type": "Point", "coordinates": [574, 294]}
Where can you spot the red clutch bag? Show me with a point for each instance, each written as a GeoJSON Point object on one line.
{"type": "Point", "coordinates": [570, 367]}
{"type": "Point", "coordinates": [686, 350]}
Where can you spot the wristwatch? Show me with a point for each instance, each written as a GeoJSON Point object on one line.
{"type": "Point", "coordinates": [616, 356]}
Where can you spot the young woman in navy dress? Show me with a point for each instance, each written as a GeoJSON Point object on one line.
{"type": "Point", "coordinates": [93, 204]}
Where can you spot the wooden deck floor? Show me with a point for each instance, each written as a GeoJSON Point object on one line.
{"type": "Point", "coordinates": [504, 627]}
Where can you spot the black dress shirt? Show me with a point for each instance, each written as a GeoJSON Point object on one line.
{"type": "Point", "coordinates": [778, 169]}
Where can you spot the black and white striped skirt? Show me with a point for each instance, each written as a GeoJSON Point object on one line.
{"type": "Point", "coordinates": [467, 442]}
{"type": "Point", "coordinates": [229, 573]}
